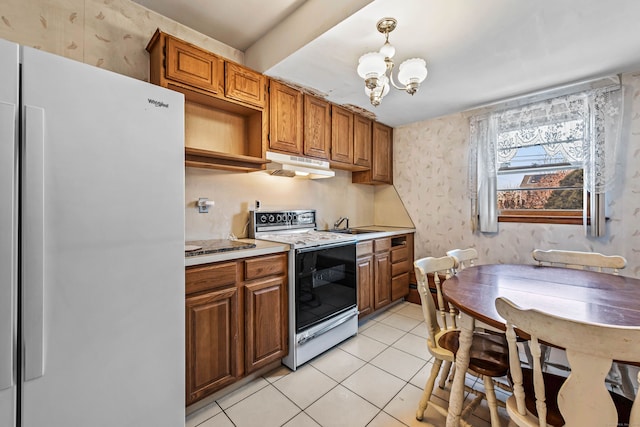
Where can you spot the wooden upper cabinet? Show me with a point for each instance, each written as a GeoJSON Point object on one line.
{"type": "Point", "coordinates": [317, 127]}
{"type": "Point", "coordinates": [226, 119]}
{"type": "Point", "coordinates": [245, 85]}
{"type": "Point", "coordinates": [193, 66]}
{"type": "Point", "coordinates": [286, 113]}
{"type": "Point", "coordinates": [341, 135]}
{"type": "Point", "coordinates": [362, 141]}
{"type": "Point", "coordinates": [381, 171]}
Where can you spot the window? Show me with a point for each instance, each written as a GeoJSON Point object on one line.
{"type": "Point", "coordinates": [540, 173]}
{"type": "Point", "coordinates": [548, 160]}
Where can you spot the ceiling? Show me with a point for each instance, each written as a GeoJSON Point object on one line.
{"type": "Point", "coordinates": [477, 52]}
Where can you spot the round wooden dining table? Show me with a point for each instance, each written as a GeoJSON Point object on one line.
{"type": "Point", "coordinates": [582, 295]}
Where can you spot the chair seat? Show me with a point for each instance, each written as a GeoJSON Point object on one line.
{"type": "Point", "coordinates": [489, 354]}
{"type": "Point", "coordinates": [552, 385]}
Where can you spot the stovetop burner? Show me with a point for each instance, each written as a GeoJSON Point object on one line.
{"type": "Point", "coordinates": [296, 228]}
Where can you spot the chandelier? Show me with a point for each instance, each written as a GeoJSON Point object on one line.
{"type": "Point", "coordinates": [376, 68]}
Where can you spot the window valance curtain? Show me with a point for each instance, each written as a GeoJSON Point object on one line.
{"type": "Point", "coordinates": [584, 126]}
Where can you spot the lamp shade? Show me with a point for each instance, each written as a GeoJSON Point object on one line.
{"type": "Point", "coordinates": [414, 69]}
{"type": "Point", "coordinates": [371, 65]}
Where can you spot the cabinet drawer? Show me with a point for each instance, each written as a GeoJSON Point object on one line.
{"type": "Point", "coordinates": [210, 276]}
{"type": "Point", "coordinates": [256, 268]}
{"type": "Point", "coordinates": [399, 286]}
{"type": "Point", "coordinates": [364, 248]}
{"type": "Point", "coordinates": [400, 267]}
{"type": "Point", "coordinates": [381, 245]}
{"type": "Point", "coordinates": [399, 254]}
{"type": "Point", "coordinates": [192, 66]}
{"type": "Point", "coordinates": [244, 85]}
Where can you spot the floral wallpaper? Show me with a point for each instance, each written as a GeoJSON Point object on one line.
{"type": "Point", "coordinates": [431, 177]}
{"type": "Point", "coordinates": [430, 156]}
{"type": "Point", "coordinates": [110, 34]}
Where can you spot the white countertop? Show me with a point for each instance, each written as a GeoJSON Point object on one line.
{"type": "Point", "coordinates": [381, 231]}
{"type": "Point", "coordinates": [263, 247]}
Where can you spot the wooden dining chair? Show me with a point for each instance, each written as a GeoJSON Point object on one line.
{"type": "Point", "coordinates": [583, 261]}
{"type": "Point", "coordinates": [580, 260]}
{"type": "Point", "coordinates": [581, 400]}
{"type": "Point", "coordinates": [488, 355]}
{"type": "Point", "coordinates": [465, 257]}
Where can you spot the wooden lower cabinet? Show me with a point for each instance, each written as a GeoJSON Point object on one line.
{"type": "Point", "coordinates": [383, 271]}
{"type": "Point", "coordinates": [236, 318]}
{"type": "Point", "coordinates": [364, 266]}
{"type": "Point", "coordinates": [382, 280]}
{"type": "Point", "coordinates": [212, 346]}
{"type": "Point", "coordinates": [265, 305]}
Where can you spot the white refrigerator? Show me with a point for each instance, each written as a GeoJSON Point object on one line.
{"type": "Point", "coordinates": [91, 246]}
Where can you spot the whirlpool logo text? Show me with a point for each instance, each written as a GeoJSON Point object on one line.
{"type": "Point", "coordinates": [158, 103]}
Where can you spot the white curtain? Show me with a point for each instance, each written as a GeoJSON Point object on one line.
{"type": "Point", "coordinates": [589, 124]}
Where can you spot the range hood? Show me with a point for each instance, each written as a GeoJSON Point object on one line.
{"type": "Point", "coordinates": [290, 165]}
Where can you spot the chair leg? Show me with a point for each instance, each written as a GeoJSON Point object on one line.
{"type": "Point", "coordinates": [490, 394]}
{"type": "Point", "coordinates": [428, 389]}
{"type": "Point", "coordinates": [445, 373]}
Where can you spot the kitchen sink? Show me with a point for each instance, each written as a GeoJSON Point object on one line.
{"type": "Point", "coordinates": [354, 231]}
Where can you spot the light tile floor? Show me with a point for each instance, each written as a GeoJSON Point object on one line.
{"type": "Point", "coordinates": [374, 379]}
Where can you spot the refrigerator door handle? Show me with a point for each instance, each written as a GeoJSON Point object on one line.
{"type": "Point", "coordinates": [8, 238]}
{"type": "Point", "coordinates": [33, 242]}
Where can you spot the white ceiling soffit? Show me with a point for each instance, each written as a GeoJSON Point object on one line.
{"type": "Point", "coordinates": [477, 52]}
{"type": "Point", "coordinates": [236, 23]}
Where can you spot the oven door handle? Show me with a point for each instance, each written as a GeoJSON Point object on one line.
{"type": "Point", "coordinates": [325, 246]}
{"type": "Point", "coordinates": [327, 328]}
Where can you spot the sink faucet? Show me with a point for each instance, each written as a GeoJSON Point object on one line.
{"type": "Point", "coordinates": [340, 221]}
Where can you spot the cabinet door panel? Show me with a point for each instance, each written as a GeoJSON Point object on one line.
{"type": "Point", "coordinates": [256, 268]}
{"type": "Point", "coordinates": [399, 286]}
{"type": "Point", "coordinates": [362, 141]}
{"type": "Point", "coordinates": [286, 118]}
{"type": "Point", "coordinates": [365, 276]}
{"type": "Point", "coordinates": [381, 169]}
{"type": "Point", "coordinates": [266, 323]}
{"type": "Point", "coordinates": [244, 85]}
{"type": "Point", "coordinates": [212, 342]}
{"type": "Point", "coordinates": [341, 135]}
{"type": "Point", "coordinates": [382, 281]}
{"type": "Point", "coordinates": [317, 127]}
{"type": "Point", "coordinates": [193, 66]}
{"type": "Point", "coordinates": [202, 278]}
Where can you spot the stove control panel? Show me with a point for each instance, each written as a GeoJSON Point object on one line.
{"type": "Point", "coordinates": [267, 220]}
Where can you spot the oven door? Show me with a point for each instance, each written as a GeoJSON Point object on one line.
{"type": "Point", "coordinates": [325, 283]}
